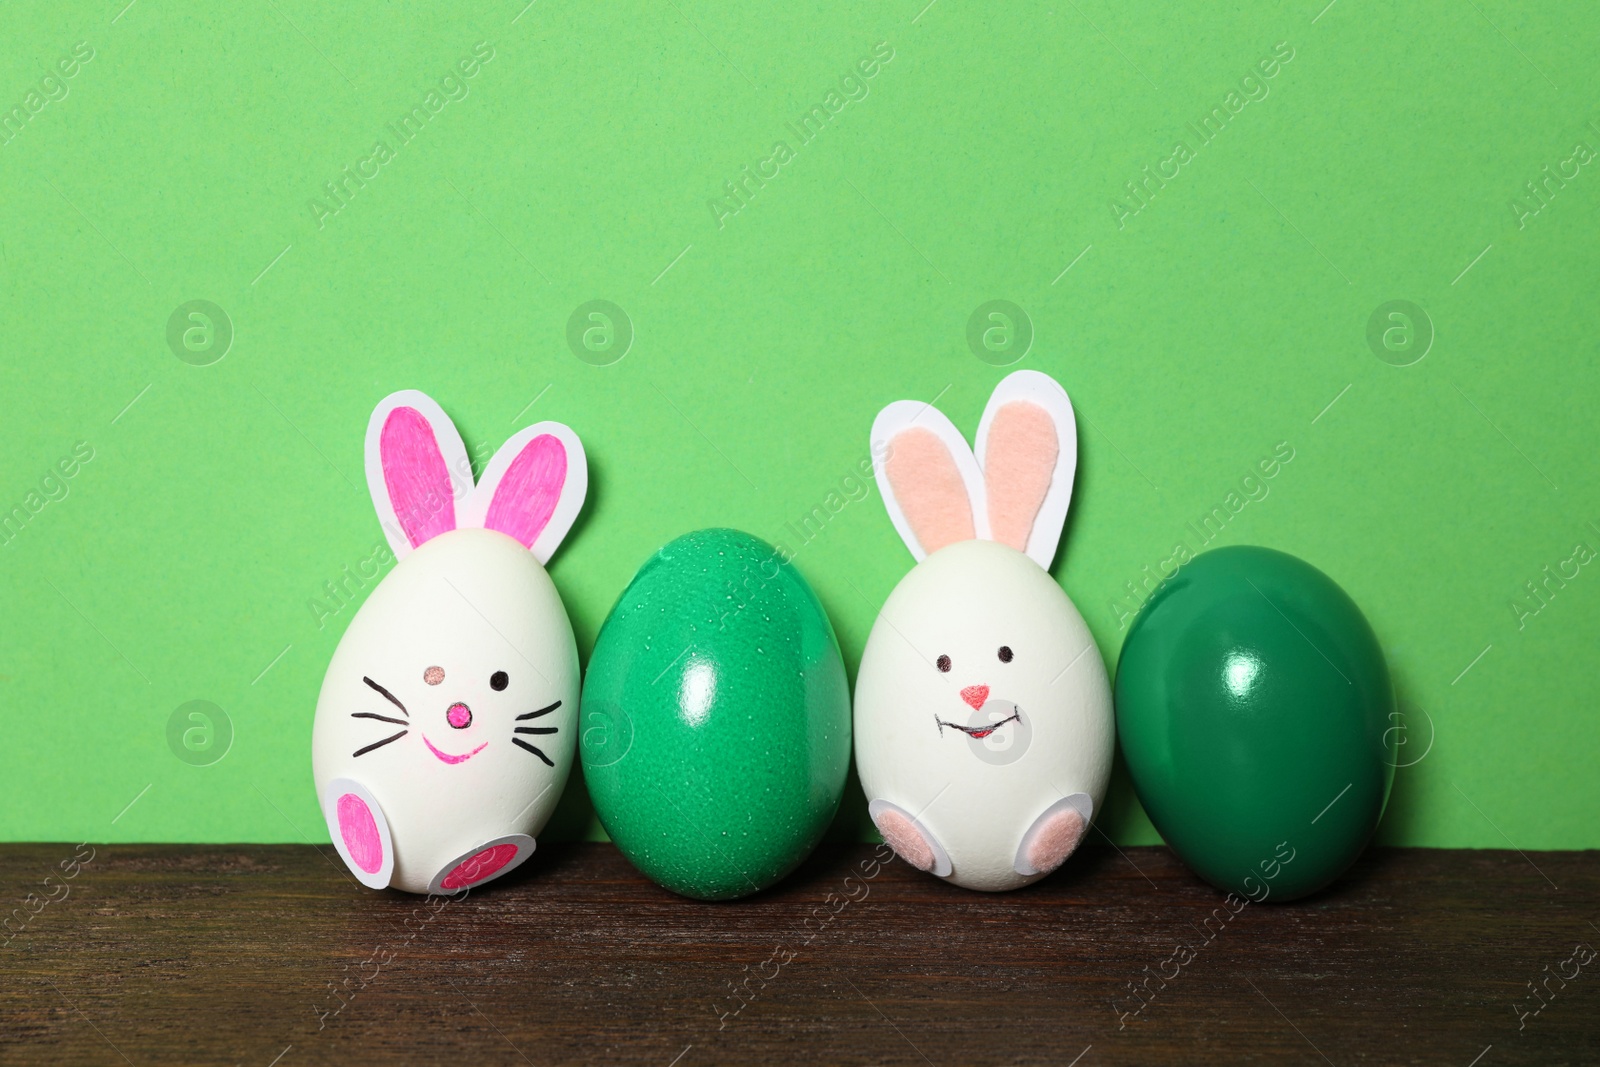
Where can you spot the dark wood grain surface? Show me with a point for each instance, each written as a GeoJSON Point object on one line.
{"type": "Point", "coordinates": [271, 954]}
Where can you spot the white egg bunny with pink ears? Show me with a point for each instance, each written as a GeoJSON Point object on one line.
{"type": "Point", "coordinates": [445, 726]}
{"type": "Point", "coordinates": [983, 725]}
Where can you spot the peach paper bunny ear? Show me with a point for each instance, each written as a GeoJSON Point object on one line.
{"type": "Point", "coordinates": [1028, 451]}
{"type": "Point", "coordinates": [416, 469]}
{"type": "Point", "coordinates": [533, 488]}
{"type": "Point", "coordinates": [930, 482]}
{"type": "Point", "coordinates": [1015, 488]}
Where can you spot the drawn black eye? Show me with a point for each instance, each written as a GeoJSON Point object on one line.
{"type": "Point", "coordinates": [943, 663]}
{"type": "Point", "coordinates": [1005, 653]}
{"type": "Point", "coordinates": [498, 681]}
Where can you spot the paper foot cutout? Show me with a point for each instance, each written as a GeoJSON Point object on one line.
{"type": "Point", "coordinates": [483, 864]}
{"type": "Point", "coordinates": [1054, 835]}
{"type": "Point", "coordinates": [910, 840]}
{"type": "Point", "coordinates": [359, 832]}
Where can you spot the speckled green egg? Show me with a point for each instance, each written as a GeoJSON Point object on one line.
{"type": "Point", "coordinates": [716, 717]}
{"type": "Point", "coordinates": [1255, 711]}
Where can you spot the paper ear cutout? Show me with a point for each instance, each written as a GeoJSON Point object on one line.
{"type": "Point", "coordinates": [1027, 445]}
{"type": "Point", "coordinates": [1015, 488]}
{"type": "Point", "coordinates": [929, 479]}
{"type": "Point", "coordinates": [421, 479]}
{"type": "Point", "coordinates": [533, 488]}
{"type": "Point", "coordinates": [416, 469]}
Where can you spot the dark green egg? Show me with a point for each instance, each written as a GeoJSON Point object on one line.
{"type": "Point", "coordinates": [715, 722]}
{"type": "Point", "coordinates": [1255, 712]}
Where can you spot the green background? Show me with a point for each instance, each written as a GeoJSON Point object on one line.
{"type": "Point", "coordinates": [1223, 318]}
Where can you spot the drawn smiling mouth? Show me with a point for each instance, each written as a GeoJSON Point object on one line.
{"type": "Point", "coordinates": [976, 732]}
{"type": "Point", "coordinates": [445, 757]}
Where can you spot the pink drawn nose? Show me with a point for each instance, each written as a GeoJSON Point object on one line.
{"type": "Point", "coordinates": [460, 716]}
{"type": "Point", "coordinates": [975, 695]}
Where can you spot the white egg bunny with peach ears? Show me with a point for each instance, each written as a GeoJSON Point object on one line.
{"type": "Point", "coordinates": [983, 724]}
{"type": "Point", "coordinates": [445, 727]}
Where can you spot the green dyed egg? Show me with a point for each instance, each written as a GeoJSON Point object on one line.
{"type": "Point", "coordinates": [1255, 713]}
{"type": "Point", "coordinates": [716, 717]}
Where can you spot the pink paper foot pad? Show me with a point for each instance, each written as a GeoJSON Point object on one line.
{"type": "Point", "coordinates": [359, 830]}
{"type": "Point", "coordinates": [1055, 840]}
{"type": "Point", "coordinates": [486, 862]}
{"type": "Point", "coordinates": [1054, 835]}
{"type": "Point", "coordinates": [906, 840]}
{"type": "Point", "coordinates": [478, 868]}
{"type": "Point", "coordinates": [909, 839]}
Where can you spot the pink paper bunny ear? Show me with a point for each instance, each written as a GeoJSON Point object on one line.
{"type": "Point", "coordinates": [533, 488]}
{"type": "Point", "coordinates": [421, 478]}
{"type": "Point", "coordinates": [930, 482]}
{"type": "Point", "coordinates": [1028, 450]}
{"type": "Point", "coordinates": [416, 469]}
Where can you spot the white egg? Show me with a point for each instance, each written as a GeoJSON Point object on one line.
{"type": "Point", "coordinates": [446, 725]}
{"type": "Point", "coordinates": [983, 723]}
{"type": "Point", "coordinates": [409, 709]}
{"type": "Point", "coordinates": [972, 747]}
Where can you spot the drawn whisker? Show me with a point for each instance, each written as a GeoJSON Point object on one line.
{"type": "Point", "coordinates": [380, 718]}
{"type": "Point", "coordinates": [541, 711]}
{"type": "Point", "coordinates": [385, 741]}
{"type": "Point", "coordinates": [536, 730]}
{"type": "Point", "coordinates": [519, 741]}
{"type": "Point", "coordinates": [390, 697]}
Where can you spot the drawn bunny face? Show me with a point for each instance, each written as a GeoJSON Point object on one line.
{"type": "Point", "coordinates": [445, 727]}
{"type": "Point", "coordinates": [983, 719]}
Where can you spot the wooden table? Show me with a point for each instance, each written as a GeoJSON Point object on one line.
{"type": "Point", "coordinates": [271, 954]}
